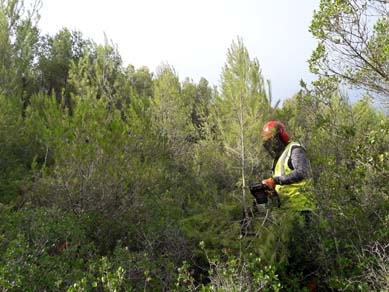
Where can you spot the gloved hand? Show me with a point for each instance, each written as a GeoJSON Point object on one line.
{"type": "Point", "coordinates": [269, 182]}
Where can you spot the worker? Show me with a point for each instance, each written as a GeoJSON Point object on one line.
{"type": "Point", "coordinates": [292, 182]}
{"type": "Point", "coordinates": [291, 168]}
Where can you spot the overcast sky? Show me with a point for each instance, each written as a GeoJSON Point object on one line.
{"type": "Point", "coordinates": [194, 36]}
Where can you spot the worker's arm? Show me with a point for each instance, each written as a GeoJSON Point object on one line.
{"type": "Point", "coordinates": [300, 166]}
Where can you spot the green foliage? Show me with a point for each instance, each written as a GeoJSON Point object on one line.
{"type": "Point", "coordinates": [19, 38]}
{"type": "Point", "coordinates": [350, 190]}
{"type": "Point", "coordinates": [18, 150]}
{"type": "Point", "coordinates": [106, 279]}
{"type": "Point", "coordinates": [57, 54]}
{"type": "Point", "coordinates": [171, 112]}
{"type": "Point", "coordinates": [353, 42]}
{"type": "Point", "coordinates": [142, 79]}
{"type": "Point", "coordinates": [111, 175]}
{"type": "Point", "coordinates": [42, 249]}
{"type": "Point", "coordinates": [218, 228]}
{"type": "Point", "coordinates": [240, 111]}
{"type": "Point", "coordinates": [228, 272]}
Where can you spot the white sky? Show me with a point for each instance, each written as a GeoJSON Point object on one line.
{"type": "Point", "coordinates": [194, 36]}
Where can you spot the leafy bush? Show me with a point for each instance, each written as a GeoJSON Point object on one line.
{"type": "Point", "coordinates": [228, 272]}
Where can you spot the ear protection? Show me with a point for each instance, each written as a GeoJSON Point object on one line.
{"type": "Point", "coordinates": [283, 135]}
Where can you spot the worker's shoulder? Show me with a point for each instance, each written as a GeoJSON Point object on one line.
{"type": "Point", "coordinates": [297, 147]}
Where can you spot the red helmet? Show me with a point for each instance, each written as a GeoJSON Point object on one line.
{"type": "Point", "coordinates": [272, 128]}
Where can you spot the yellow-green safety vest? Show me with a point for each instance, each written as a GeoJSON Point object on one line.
{"type": "Point", "coordinates": [294, 196]}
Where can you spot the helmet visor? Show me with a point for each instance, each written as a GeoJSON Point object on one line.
{"type": "Point", "coordinates": [274, 146]}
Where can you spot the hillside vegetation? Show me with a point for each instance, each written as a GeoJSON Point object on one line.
{"type": "Point", "coordinates": [116, 178]}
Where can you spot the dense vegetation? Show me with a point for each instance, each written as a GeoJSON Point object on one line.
{"type": "Point", "coordinates": [115, 178]}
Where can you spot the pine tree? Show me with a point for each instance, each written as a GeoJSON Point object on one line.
{"type": "Point", "coordinates": [18, 48]}
{"type": "Point", "coordinates": [242, 109]}
{"type": "Point", "coordinates": [170, 111]}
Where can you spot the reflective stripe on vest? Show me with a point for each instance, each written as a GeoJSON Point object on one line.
{"type": "Point", "coordinates": [292, 196]}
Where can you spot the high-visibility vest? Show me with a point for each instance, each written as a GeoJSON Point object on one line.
{"type": "Point", "coordinates": [293, 196]}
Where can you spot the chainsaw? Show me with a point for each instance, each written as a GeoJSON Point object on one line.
{"type": "Point", "coordinates": [263, 193]}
